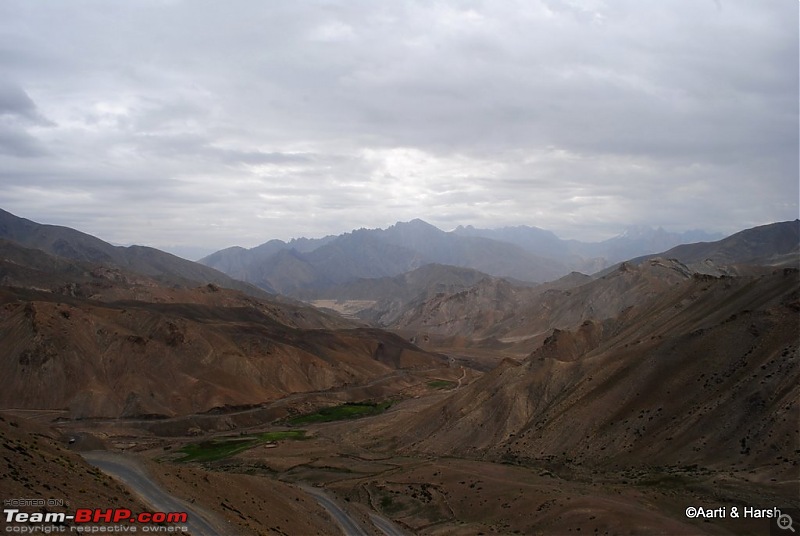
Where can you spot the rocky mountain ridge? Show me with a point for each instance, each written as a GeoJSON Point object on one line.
{"type": "Point", "coordinates": [306, 266]}
{"type": "Point", "coordinates": [694, 369]}
{"type": "Point", "coordinates": [71, 244]}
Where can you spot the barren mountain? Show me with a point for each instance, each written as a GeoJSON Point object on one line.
{"type": "Point", "coordinates": [590, 257]}
{"type": "Point", "coordinates": [34, 269]}
{"type": "Point", "coordinates": [376, 253]}
{"type": "Point", "coordinates": [100, 341]}
{"type": "Point", "coordinates": [380, 300]}
{"type": "Point", "coordinates": [632, 394]}
{"type": "Point", "coordinates": [704, 371]}
{"type": "Point", "coordinates": [482, 254]}
{"type": "Point", "coordinates": [431, 278]}
{"type": "Point", "coordinates": [75, 245]}
{"type": "Point", "coordinates": [776, 244]}
{"type": "Point", "coordinates": [498, 315]}
{"type": "Point", "coordinates": [138, 358]}
{"type": "Point", "coordinates": [37, 465]}
{"type": "Point", "coordinates": [40, 465]}
{"type": "Point", "coordinates": [235, 261]}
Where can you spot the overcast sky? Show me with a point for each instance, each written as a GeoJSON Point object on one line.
{"type": "Point", "coordinates": [205, 124]}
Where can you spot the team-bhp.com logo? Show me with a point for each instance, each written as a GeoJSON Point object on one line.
{"type": "Point", "coordinates": [94, 515]}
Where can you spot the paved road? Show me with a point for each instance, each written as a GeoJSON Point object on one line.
{"type": "Point", "coordinates": [386, 526]}
{"type": "Point", "coordinates": [349, 525]}
{"type": "Point", "coordinates": [127, 469]}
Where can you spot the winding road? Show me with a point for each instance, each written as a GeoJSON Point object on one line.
{"type": "Point", "coordinates": [386, 526]}
{"type": "Point", "coordinates": [128, 470]}
{"type": "Point", "coordinates": [350, 526]}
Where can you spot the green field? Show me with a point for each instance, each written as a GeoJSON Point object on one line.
{"type": "Point", "coordinates": [441, 384]}
{"type": "Point", "coordinates": [217, 449]}
{"type": "Point", "coordinates": [349, 410]}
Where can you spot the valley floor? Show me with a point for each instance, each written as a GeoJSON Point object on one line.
{"type": "Point", "coordinates": [265, 488]}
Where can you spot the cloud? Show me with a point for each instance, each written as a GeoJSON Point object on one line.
{"type": "Point", "coordinates": [207, 124]}
{"type": "Point", "coordinates": [18, 113]}
{"type": "Point", "coordinates": [14, 101]}
{"type": "Point", "coordinates": [18, 143]}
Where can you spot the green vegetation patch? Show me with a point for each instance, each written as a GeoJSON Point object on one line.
{"type": "Point", "coordinates": [441, 384]}
{"type": "Point", "coordinates": [350, 410]}
{"type": "Point", "coordinates": [217, 449]}
{"type": "Point", "coordinates": [284, 434]}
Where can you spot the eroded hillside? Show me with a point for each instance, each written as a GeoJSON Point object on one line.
{"type": "Point", "coordinates": [701, 372]}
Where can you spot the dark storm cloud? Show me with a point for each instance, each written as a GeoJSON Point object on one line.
{"type": "Point", "coordinates": [209, 123]}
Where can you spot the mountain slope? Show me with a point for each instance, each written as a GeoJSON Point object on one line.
{"type": "Point", "coordinates": [37, 465]}
{"type": "Point", "coordinates": [375, 253]}
{"type": "Point", "coordinates": [381, 300]}
{"type": "Point", "coordinates": [34, 269]}
{"type": "Point", "coordinates": [776, 243]}
{"type": "Point", "coordinates": [533, 239]}
{"type": "Point", "coordinates": [134, 358]}
{"type": "Point", "coordinates": [589, 256]}
{"type": "Point", "coordinates": [524, 316]}
{"type": "Point", "coordinates": [236, 261]}
{"type": "Point", "coordinates": [75, 245]}
{"type": "Point", "coordinates": [496, 314]}
{"type": "Point", "coordinates": [482, 254]}
{"type": "Point", "coordinates": [430, 278]}
{"type": "Point", "coordinates": [639, 240]}
{"type": "Point", "coordinates": [704, 372]}
{"type": "Point", "coordinates": [98, 341]}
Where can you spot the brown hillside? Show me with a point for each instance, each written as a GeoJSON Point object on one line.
{"type": "Point", "coordinates": [34, 269]}
{"type": "Point", "coordinates": [36, 464]}
{"type": "Point", "coordinates": [704, 373]}
{"type": "Point", "coordinates": [139, 358]}
{"type": "Point", "coordinates": [74, 245]}
{"type": "Point", "coordinates": [495, 312]}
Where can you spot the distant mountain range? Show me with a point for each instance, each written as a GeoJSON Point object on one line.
{"type": "Point", "coordinates": [295, 267]}
{"type": "Point", "coordinates": [378, 265]}
{"type": "Point", "coordinates": [452, 303]}
{"type": "Point", "coordinates": [775, 244]}
{"type": "Point", "coordinates": [522, 253]}
{"type": "Point", "coordinates": [589, 257]}
{"type": "Point", "coordinates": [494, 313]}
